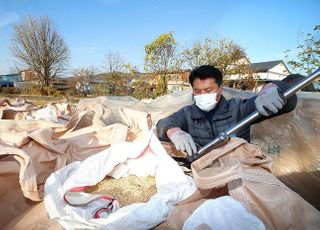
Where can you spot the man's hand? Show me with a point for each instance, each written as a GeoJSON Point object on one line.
{"type": "Point", "coordinates": [182, 140]}
{"type": "Point", "coordinates": [270, 100]}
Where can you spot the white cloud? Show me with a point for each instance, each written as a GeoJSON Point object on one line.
{"type": "Point", "coordinates": [8, 18]}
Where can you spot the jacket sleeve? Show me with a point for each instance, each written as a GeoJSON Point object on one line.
{"type": "Point", "coordinates": [177, 119]}
{"type": "Point", "coordinates": [247, 106]}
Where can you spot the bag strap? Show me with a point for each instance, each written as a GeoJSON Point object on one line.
{"type": "Point", "coordinates": [263, 161]}
{"type": "Point", "coordinates": [209, 178]}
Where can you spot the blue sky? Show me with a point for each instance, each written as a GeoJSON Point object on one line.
{"type": "Point", "coordinates": [90, 28]}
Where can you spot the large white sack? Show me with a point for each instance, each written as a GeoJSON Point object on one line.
{"type": "Point", "coordinates": [172, 184]}
{"type": "Point", "coordinates": [222, 213]}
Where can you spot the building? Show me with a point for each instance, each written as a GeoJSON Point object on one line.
{"type": "Point", "coordinates": [26, 79]}
{"type": "Point", "coordinates": [178, 81]}
{"type": "Point", "coordinates": [8, 80]}
{"type": "Point", "coordinates": [262, 73]}
{"type": "Point", "coordinates": [270, 71]}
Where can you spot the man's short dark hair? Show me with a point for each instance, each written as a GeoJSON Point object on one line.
{"type": "Point", "coordinates": [204, 72]}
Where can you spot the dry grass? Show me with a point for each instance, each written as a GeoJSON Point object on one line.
{"type": "Point", "coordinates": [127, 190]}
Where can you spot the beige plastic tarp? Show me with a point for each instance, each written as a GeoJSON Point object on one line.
{"type": "Point", "coordinates": [31, 149]}
{"type": "Point", "coordinates": [293, 142]}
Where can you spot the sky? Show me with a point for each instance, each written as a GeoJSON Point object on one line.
{"type": "Point", "coordinates": [90, 28]}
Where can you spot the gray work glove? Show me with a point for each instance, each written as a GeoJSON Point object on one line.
{"type": "Point", "coordinates": [270, 100]}
{"type": "Point", "coordinates": [183, 141]}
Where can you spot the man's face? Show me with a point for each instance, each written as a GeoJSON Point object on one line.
{"type": "Point", "coordinates": [208, 85]}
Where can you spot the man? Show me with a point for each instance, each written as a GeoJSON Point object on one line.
{"type": "Point", "coordinates": [195, 125]}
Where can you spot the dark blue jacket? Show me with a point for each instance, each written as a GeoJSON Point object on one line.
{"type": "Point", "coordinates": [204, 127]}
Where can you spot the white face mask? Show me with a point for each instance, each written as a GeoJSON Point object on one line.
{"type": "Point", "coordinates": [206, 102]}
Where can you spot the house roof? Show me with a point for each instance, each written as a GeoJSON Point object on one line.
{"type": "Point", "coordinates": [10, 75]}
{"type": "Point", "coordinates": [264, 66]}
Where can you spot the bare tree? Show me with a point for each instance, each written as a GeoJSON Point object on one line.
{"type": "Point", "coordinates": [114, 62]}
{"type": "Point", "coordinates": [38, 46]}
{"type": "Point", "coordinates": [82, 80]}
{"type": "Point", "coordinates": [131, 69]}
